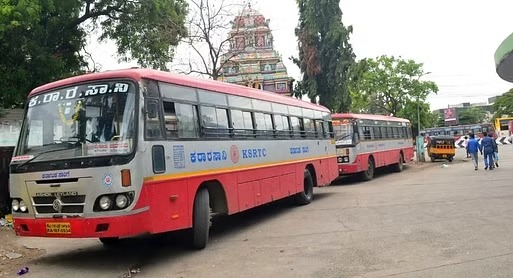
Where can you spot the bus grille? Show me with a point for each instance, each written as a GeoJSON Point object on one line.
{"type": "Point", "coordinates": [70, 204]}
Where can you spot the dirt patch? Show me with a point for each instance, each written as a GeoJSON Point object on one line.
{"type": "Point", "coordinates": [13, 254]}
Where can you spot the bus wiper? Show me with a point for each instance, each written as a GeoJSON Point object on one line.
{"type": "Point", "coordinates": [345, 136]}
{"type": "Point", "coordinates": [39, 154]}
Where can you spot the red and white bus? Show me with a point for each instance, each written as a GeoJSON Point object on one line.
{"type": "Point", "coordinates": [459, 131]}
{"type": "Point", "coordinates": [366, 142]}
{"type": "Point", "coordinates": [129, 152]}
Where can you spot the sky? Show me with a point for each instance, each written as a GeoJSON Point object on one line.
{"type": "Point", "coordinates": [455, 40]}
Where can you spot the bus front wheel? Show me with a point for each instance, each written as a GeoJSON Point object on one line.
{"type": "Point", "coordinates": [201, 219]}
{"type": "Point", "coordinates": [306, 197]}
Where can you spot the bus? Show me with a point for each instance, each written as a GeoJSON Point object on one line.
{"type": "Point", "coordinates": [502, 126]}
{"type": "Point", "coordinates": [459, 131]}
{"type": "Point", "coordinates": [366, 142]}
{"type": "Point", "coordinates": [129, 152]}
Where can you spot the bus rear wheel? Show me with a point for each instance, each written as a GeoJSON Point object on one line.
{"type": "Point", "coordinates": [306, 197]}
{"type": "Point", "coordinates": [399, 166]}
{"type": "Point", "coordinates": [368, 174]}
{"type": "Point", "coordinates": [201, 219]}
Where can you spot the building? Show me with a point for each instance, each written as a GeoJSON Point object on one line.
{"type": "Point", "coordinates": [487, 107]}
{"type": "Point", "coordinates": [251, 59]}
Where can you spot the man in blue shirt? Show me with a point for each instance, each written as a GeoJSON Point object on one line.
{"type": "Point", "coordinates": [487, 148]}
{"type": "Point", "coordinates": [472, 149]}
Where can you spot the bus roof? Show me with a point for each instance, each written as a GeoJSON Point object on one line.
{"type": "Point", "coordinates": [369, 117]}
{"type": "Point", "coordinates": [199, 83]}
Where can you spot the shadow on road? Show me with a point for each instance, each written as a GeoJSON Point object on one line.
{"type": "Point", "coordinates": [356, 179]}
{"type": "Point", "coordinates": [142, 251]}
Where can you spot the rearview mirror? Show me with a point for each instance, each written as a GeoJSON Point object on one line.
{"type": "Point", "coordinates": [152, 110]}
{"type": "Point", "coordinates": [92, 111]}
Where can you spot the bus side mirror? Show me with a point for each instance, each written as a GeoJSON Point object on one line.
{"type": "Point", "coordinates": [152, 110]}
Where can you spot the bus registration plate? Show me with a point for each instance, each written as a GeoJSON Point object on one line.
{"type": "Point", "coordinates": [58, 228]}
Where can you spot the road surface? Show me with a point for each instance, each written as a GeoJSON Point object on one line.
{"type": "Point", "coordinates": [428, 221]}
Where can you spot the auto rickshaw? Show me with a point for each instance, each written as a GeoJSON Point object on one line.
{"type": "Point", "coordinates": [441, 147]}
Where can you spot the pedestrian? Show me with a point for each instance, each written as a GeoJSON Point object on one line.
{"type": "Point", "coordinates": [472, 149]}
{"type": "Point", "coordinates": [466, 145]}
{"type": "Point", "coordinates": [495, 151]}
{"type": "Point", "coordinates": [487, 149]}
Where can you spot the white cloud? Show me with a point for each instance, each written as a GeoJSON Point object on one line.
{"type": "Point", "coordinates": [456, 40]}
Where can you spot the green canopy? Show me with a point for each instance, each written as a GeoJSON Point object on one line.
{"type": "Point", "coordinates": [504, 59]}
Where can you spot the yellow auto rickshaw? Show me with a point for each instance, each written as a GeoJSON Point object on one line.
{"type": "Point", "coordinates": [441, 147]}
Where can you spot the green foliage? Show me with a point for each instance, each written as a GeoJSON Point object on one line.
{"type": "Point", "coordinates": [45, 40]}
{"type": "Point", "coordinates": [36, 47]}
{"type": "Point", "coordinates": [392, 86]}
{"type": "Point", "coordinates": [144, 30]}
{"type": "Point", "coordinates": [503, 105]}
{"type": "Point", "coordinates": [325, 54]}
{"type": "Point", "coordinates": [473, 115]}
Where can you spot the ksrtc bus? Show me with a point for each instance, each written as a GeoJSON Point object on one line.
{"type": "Point", "coordinates": [129, 152]}
{"type": "Point", "coordinates": [460, 131]}
{"type": "Point", "coordinates": [502, 126]}
{"type": "Point", "coordinates": [366, 142]}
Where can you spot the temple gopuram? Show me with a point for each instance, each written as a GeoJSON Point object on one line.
{"type": "Point", "coordinates": [251, 59]}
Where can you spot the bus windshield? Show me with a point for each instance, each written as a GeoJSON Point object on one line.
{"type": "Point", "coordinates": [343, 132]}
{"type": "Point", "coordinates": [92, 119]}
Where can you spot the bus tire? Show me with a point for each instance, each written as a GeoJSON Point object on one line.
{"type": "Point", "coordinates": [201, 219]}
{"type": "Point", "coordinates": [306, 197]}
{"type": "Point", "coordinates": [368, 174]}
{"type": "Point", "coordinates": [399, 166]}
{"type": "Point", "coordinates": [109, 241]}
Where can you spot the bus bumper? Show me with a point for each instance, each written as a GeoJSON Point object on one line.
{"type": "Point", "coordinates": [112, 226]}
{"type": "Point", "coordinates": [347, 169]}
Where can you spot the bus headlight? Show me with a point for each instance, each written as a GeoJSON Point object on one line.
{"type": "Point", "coordinates": [23, 206]}
{"type": "Point", "coordinates": [105, 203]}
{"type": "Point", "coordinates": [15, 205]}
{"type": "Point", "coordinates": [121, 201]}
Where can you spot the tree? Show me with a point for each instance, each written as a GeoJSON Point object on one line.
{"type": "Point", "coordinates": [45, 40]}
{"type": "Point", "coordinates": [392, 86]}
{"type": "Point", "coordinates": [208, 26]}
{"type": "Point", "coordinates": [325, 54]}
{"type": "Point", "coordinates": [472, 115]}
{"type": "Point", "coordinates": [503, 105]}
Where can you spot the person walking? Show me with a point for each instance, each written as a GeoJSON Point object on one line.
{"type": "Point", "coordinates": [472, 149]}
{"type": "Point", "coordinates": [466, 145]}
{"type": "Point", "coordinates": [487, 149]}
{"type": "Point", "coordinates": [495, 151]}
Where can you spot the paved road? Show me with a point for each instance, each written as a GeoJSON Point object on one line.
{"type": "Point", "coordinates": [428, 221]}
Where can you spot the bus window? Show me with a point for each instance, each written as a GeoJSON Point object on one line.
{"type": "Point", "coordinates": [295, 126]}
{"type": "Point", "coordinates": [278, 125]}
{"type": "Point", "coordinates": [367, 133]}
{"type": "Point", "coordinates": [171, 121]}
{"type": "Point", "coordinates": [237, 122]}
{"type": "Point", "coordinates": [214, 122]}
{"type": "Point", "coordinates": [309, 128]}
{"type": "Point", "coordinates": [187, 116]}
{"type": "Point", "coordinates": [376, 132]}
{"type": "Point", "coordinates": [319, 128]}
{"type": "Point", "coordinates": [260, 123]}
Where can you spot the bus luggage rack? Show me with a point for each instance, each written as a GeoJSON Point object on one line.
{"type": "Point", "coordinates": [69, 204]}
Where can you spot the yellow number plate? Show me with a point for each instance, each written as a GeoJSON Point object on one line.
{"type": "Point", "coordinates": [58, 228]}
